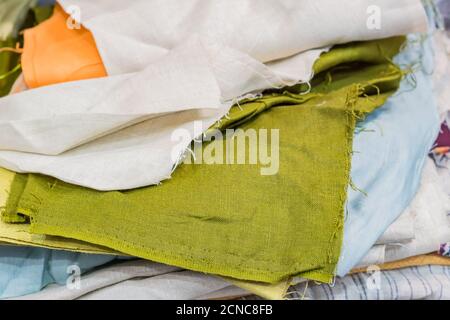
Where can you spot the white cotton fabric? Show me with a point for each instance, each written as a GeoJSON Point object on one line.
{"type": "Point", "coordinates": [140, 280]}
{"type": "Point", "coordinates": [441, 74]}
{"type": "Point", "coordinates": [441, 77]}
{"type": "Point", "coordinates": [402, 230]}
{"type": "Point", "coordinates": [430, 209]}
{"type": "Point", "coordinates": [266, 30]}
{"type": "Point", "coordinates": [375, 256]}
{"type": "Point", "coordinates": [174, 67]}
{"type": "Point", "coordinates": [184, 285]}
{"type": "Point", "coordinates": [122, 132]}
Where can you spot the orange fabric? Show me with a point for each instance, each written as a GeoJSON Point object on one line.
{"type": "Point", "coordinates": [54, 53]}
{"type": "Point", "coordinates": [423, 260]}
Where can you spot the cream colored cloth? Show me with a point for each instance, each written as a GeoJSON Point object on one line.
{"type": "Point", "coordinates": [402, 230]}
{"type": "Point", "coordinates": [117, 133]}
{"type": "Point", "coordinates": [265, 30]}
{"type": "Point", "coordinates": [174, 66]}
{"type": "Point", "coordinates": [19, 85]}
{"type": "Point", "coordinates": [431, 222]}
{"type": "Point", "coordinates": [138, 279]}
{"type": "Point", "coordinates": [441, 74]}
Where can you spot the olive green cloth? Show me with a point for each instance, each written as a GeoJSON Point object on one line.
{"type": "Point", "coordinates": [229, 219]}
{"type": "Point", "coordinates": [12, 15]}
{"type": "Point", "coordinates": [9, 66]}
{"type": "Point", "coordinates": [16, 15]}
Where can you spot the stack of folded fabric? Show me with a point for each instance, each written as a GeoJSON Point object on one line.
{"type": "Point", "coordinates": [210, 150]}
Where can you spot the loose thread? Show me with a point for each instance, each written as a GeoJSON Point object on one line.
{"type": "Point", "coordinates": [346, 212]}
{"type": "Point", "coordinates": [363, 129]}
{"type": "Point", "coordinates": [17, 49]}
{"type": "Point", "coordinates": [11, 72]}
{"type": "Point", "coordinates": [333, 282]}
{"type": "Point", "coordinates": [355, 188]}
{"type": "Point", "coordinates": [306, 289]}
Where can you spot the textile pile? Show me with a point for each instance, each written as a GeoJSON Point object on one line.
{"type": "Point", "coordinates": [215, 150]}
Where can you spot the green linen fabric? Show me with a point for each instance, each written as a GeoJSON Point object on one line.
{"type": "Point", "coordinates": [12, 15]}
{"type": "Point", "coordinates": [16, 15]}
{"type": "Point", "coordinates": [9, 67]}
{"type": "Point", "coordinates": [9, 215]}
{"type": "Point", "coordinates": [229, 219]}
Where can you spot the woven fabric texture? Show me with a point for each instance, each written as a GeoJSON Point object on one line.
{"type": "Point", "coordinates": [229, 219]}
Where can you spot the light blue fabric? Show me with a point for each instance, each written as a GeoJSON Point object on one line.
{"type": "Point", "coordinates": [388, 162]}
{"type": "Point", "coordinates": [25, 270]}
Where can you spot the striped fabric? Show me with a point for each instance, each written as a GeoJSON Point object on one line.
{"type": "Point", "coordinates": [415, 283]}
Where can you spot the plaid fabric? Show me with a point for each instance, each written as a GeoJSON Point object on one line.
{"type": "Point", "coordinates": [415, 283]}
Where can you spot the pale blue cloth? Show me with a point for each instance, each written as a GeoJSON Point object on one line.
{"type": "Point", "coordinates": [24, 270]}
{"type": "Point", "coordinates": [388, 162]}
